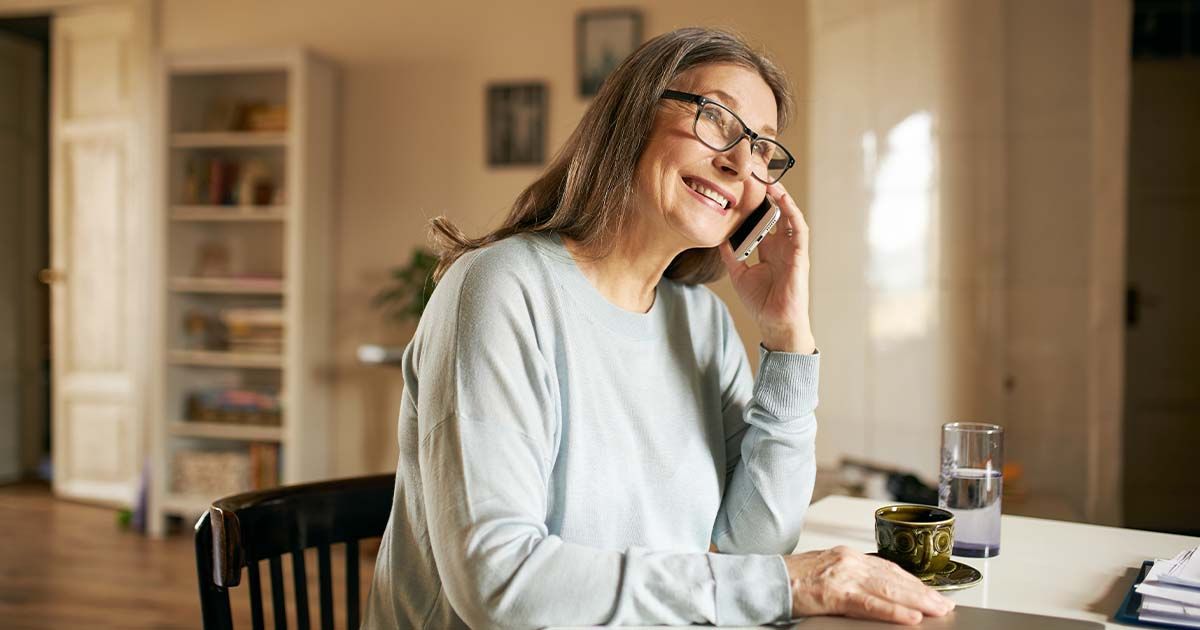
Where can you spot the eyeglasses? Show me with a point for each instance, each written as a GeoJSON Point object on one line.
{"type": "Point", "coordinates": [720, 129]}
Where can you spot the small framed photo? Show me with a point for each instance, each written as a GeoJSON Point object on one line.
{"type": "Point", "coordinates": [603, 39]}
{"type": "Point", "coordinates": [516, 124]}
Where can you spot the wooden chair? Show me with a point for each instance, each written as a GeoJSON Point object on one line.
{"type": "Point", "coordinates": [241, 530]}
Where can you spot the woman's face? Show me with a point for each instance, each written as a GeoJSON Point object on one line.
{"type": "Point", "coordinates": [677, 174]}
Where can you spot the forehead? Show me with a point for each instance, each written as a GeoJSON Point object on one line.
{"type": "Point", "coordinates": [736, 87]}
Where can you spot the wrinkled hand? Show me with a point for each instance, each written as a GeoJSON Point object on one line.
{"type": "Point", "coordinates": [841, 581]}
{"type": "Point", "coordinates": [776, 289]}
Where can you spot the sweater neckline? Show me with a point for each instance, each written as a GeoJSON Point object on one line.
{"type": "Point", "coordinates": [628, 323]}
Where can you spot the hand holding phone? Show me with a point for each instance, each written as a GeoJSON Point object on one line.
{"type": "Point", "coordinates": [748, 235]}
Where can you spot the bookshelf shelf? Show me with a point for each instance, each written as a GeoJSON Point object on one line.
{"type": "Point", "coordinates": [213, 358]}
{"type": "Point", "coordinates": [236, 286]}
{"type": "Point", "coordinates": [247, 229]}
{"type": "Point", "coordinates": [227, 139]}
{"type": "Point", "coordinates": [228, 213]}
{"type": "Point", "coordinates": [216, 430]}
{"type": "Point", "coordinates": [186, 505]}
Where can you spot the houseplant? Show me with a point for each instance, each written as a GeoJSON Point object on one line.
{"type": "Point", "coordinates": [408, 290]}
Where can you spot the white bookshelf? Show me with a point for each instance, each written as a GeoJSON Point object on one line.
{"type": "Point", "coordinates": [244, 245]}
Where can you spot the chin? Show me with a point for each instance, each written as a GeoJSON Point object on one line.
{"type": "Point", "coordinates": [706, 242]}
{"type": "Point", "coordinates": [702, 234]}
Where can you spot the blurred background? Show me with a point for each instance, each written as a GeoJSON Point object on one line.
{"type": "Point", "coordinates": [211, 207]}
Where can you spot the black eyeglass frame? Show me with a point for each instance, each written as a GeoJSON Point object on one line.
{"type": "Point", "coordinates": [747, 132]}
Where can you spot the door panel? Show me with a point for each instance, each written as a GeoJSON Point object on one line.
{"type": "Point", "coordinates": [99, 131]}
{"type": "Point", "coordinates": [1162, 375]}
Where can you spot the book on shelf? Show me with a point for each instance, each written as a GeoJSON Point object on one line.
{"type": "Point", "coordinates": [223, 181]}
{"type": "Point", "coordinates": [264, 465]}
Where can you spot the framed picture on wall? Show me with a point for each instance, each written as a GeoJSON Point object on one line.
{"type": "Point", "coordinates": [516, 124]}
{"type": "Point", "coordinates": [603, 39]}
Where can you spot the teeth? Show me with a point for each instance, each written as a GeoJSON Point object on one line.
{"type": "Point", "coordinates": [707, 192]}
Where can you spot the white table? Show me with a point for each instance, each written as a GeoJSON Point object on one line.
{"type": "Point", "coordinates": [1045, 567]}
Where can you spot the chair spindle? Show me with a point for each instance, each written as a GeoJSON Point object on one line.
{"type": "Point", "coordinates": [325, 571]}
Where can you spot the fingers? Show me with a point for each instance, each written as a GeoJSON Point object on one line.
{"type": "Point", "coordinates": [909, 593]}
{"type": "Point", "coordinates": [866, 606]}
{"type": "Point", "coordinates": [731, 262]}
{"type": "Point", "coordinates": [905, 588]}
{"type": "Point", "coordinates": [792, 228]}
{"type": "Point", "coordinates": [787, 206]}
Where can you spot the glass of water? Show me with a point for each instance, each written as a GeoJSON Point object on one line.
{"type": "Point", "coordinates": [970, 485]}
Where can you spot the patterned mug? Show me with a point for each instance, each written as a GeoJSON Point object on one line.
{"type": "Point", "coordinates": [919, 538]}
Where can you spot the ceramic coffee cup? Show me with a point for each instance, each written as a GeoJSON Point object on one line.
{"type": "Point", "coordinates": [919, 538]}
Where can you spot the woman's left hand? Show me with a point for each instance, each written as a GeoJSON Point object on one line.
{"type": "Point", "coordinates": [776, 289]}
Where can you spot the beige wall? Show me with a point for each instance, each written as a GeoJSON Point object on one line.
{"type": "Point", "coordinates": [907, 178]}
{"type": "Point", "coordinates": [412, 131]}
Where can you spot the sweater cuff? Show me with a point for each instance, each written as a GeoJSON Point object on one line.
{"type": "Point", "coordinates": [786, 387]}
{"type": "Point", "coordinates": [750, 589]}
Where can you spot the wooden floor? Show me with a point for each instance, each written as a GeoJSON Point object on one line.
{"type": "Point", "coordinates": [68, 565]}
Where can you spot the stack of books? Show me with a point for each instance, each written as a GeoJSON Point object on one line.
{"type": "Point", "coordinates": [1170, 591]}
{"type": "Point", "coordinates": [234, 406]}
{"type": "Point", "coordinates": [254, 329]}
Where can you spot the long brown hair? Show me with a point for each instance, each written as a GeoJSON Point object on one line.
{"type": "Point", "coordinates": [587, 191]}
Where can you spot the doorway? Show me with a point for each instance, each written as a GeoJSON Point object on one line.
{"type": "Point", "coordinates": [1162, 341]}
{"type": "Point", "coordinates": [25, 419]}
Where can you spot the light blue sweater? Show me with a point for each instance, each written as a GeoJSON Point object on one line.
{"type": "Point", "coordinates": [567, 462]}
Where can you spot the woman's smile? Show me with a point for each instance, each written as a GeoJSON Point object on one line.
{"type": "Point", "coordinates": [709, 194]}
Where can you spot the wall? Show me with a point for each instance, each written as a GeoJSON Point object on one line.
{"type": "Point", "coordinates": [1067, 129]}
{"type": "Point", "coordinates": [412, 131]}
{"type": "Point", "coordinates": [906, 168]}
{"type": "Point", "coordinates": [966, 159]}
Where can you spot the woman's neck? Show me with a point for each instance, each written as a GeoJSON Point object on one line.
{"type": "Point", "coordinates": [628, 275]}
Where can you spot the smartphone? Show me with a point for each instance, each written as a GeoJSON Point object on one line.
{"type": "Point", "coordinates": [747, 236]}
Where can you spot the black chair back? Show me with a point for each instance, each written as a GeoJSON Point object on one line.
{"type": "Point", "coordinates": [242, 530]}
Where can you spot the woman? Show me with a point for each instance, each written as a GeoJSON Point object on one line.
{"type": "Point", "coordinates": [581, 439]}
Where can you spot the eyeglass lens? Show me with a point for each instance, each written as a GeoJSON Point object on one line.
{"type": "Point", "coordinates": [718, 129]}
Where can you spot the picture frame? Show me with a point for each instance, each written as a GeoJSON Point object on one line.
{"type": "Point", "coordinates": [516, 124]}
{"type": "Point", "coordinates": [603, 39]}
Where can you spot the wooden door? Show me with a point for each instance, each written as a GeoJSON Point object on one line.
{"type": "Point", "coordinates": [100, 77]}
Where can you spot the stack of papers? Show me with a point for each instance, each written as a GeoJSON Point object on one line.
{"type": "Point", "coordinates": [1171, 591]}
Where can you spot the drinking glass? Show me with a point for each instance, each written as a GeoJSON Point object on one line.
{"type": "Point", "coordinates": [970, 485]}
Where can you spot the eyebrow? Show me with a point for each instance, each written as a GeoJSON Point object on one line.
{"type": "Point", "coordinates": [728, 100]}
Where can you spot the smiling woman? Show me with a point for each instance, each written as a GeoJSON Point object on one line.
{"type": "Point", "coordinates": [581, 439]}
{"type": "Point", "coordinates": [588, 192]}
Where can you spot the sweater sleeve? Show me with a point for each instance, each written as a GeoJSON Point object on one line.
{"type": "Point", "coordinates": [770, 446]}
{"type": "Point", "coordinates": [489, 426]}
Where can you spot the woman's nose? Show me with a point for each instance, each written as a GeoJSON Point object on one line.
{"type": "Point", "coordinates": [736, 160]}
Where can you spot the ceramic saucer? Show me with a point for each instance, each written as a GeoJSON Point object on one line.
{"type": "Point", "coordinates": [954, 576]}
